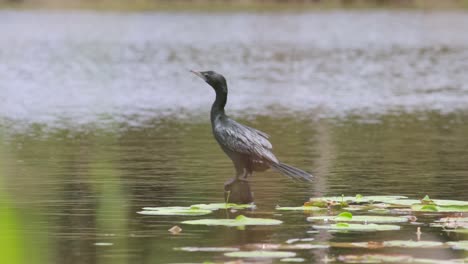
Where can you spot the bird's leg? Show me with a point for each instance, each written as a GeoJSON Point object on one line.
{"type": "Point", "coordinates": [244, 175]}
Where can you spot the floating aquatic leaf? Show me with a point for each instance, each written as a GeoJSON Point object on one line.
{"type": "Point", "coordinates": [173, 211]}
{"type": "Point", "coordinates": [375, 258]}
{"type": "Point", "coordinates": [361, 218]}
{"type": "Point", "coordinates": [454, 219]}
{"type": "Point", "coordinates": [298, 246]}
{"type": "Point", "coordinates": [412, 244]}
{"type": "Point", "coordinates": [459, 245]}
{"type": "Point", "coordinates": [360, 198]}
{"type": "Point", "coordinates": [207, 249]}
{"type": "Point", "coordinates": [450, 202]}
{"type": "Point", "coordinates": [402, 202]}
{"type": "Point", "coordinates": [409, 202]}
{"type": "Point", "coordinates": [294, 240]}
{"type": "Point", "coordinates": [238, 221]}
{"type": "Point", "coordinates": [261, 254]}
{"type": "Point", "coordinates": [299, 208]}
{"type": "Point", "coordinates": [103, 244]}
{"type": "Point", "coordinates": [379, 211]}
{"type": "Point", "coordinates": [437, 208]}
{"type": "Point", "coordinates": [357, 227]}
{"type": "Point", "coordinates": [390, 243]}
{"type": "Point", "coordinates": [345, 215]}
{"type": "Point", "coordinates": [217, 206]}
{"type": "Point", "coordinates": [292, 260]}
{"type": "Point", "coordinates": [380, 258]}
{"type": "Point", "coordinates": [452, 222]}
{"type": "Point", "coordinates": [355, 207]}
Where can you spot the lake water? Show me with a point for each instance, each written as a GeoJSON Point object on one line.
{"type": "Point", "coordinates": [100, 117]}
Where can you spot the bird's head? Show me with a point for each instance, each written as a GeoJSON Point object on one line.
{"type": "Point", "coordinates": [214, 79]}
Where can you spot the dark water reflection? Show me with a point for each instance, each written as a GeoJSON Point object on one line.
{"type": "Point", "coordinates": [61, 192]}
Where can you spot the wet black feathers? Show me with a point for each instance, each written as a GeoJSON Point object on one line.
{"type": "Point", "coordinates": [243, 139]}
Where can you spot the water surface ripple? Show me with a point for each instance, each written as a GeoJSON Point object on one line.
{"type": "Point", "coordinates": [74, 68]}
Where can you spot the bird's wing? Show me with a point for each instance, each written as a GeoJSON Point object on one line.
{"type": "Point", "coordinates": [244, 139]}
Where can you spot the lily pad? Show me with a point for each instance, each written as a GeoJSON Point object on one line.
{"type": "Point", "coordinates": [174, 211]}
{"type": "Point", "coordinates": [299, 208]}
{"type": "Point", "coordinates": [402, 202]}
{"type": "Point", "coordinates": [360, 199]}
{"type": "Point", "coordinates": [451, 222]}
{"type": "Point", "coordinates": [450, 202]}
{"type": "Point", "coordinates": [297, 246]}
{"type": "Point", "coordinates": [357, 227]}
{"type": "Point", "coordinates": [381, 258]}
{"type": "Point", "coordinates": [412, 244]}
{"type": "Point", "coordinates": [437, 208]}
{"type": "Point", "coordinates": [427, 201]}
{"type": "Point", "coordinates": [294, 240]}
{"type": "Point", "coordinates": [261, 254]}
{"type": "Point", "coordinates": [390, 243]}
{"type": "Point", "coordinates": [375, 258]}
{"type": "Point", "coordinates": [459, 245]}
{"type": "Point", "coordinates": [207, 249]}
{"type": "Point", "coordinates": [238, 221]}
{"type": "Point", "coordinates": [379, 211]}
{"type": "Point", "coordinates": [292, 260]}
{"type": "Point", "coordinates": [454, 219]}
{"type": "Point", "coordinates": [361, 218]}
{"type": "Point", "coordinates": [217, 206]}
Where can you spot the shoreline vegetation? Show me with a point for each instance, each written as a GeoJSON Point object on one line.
{"type": "Point", "coordinates": [232, 5]}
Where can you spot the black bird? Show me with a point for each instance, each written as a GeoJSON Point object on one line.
{"type": "Point", "coordinates": [248, 148]}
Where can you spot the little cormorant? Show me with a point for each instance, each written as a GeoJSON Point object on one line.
{"type": "Point", "coordinates": [248, 148]}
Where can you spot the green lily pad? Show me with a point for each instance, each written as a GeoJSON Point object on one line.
{"type": "Point", "coordinates": [390, 243]}
{"type": "Point", "coordinates": [261, 254]}
{"type": "Point", "coordinates": [217, 206]}
{"type": "Point", "coordinates": [207, 249]}
{"type": "Point", "coordinates": [298, 246]}
{"type": "Point", "coordinates": [355, 207]}
{"type": "Point", "coordinates": [292, 260]}
{"type": "Point", "coordinates": [361, 218]}
{"type": "Point", "coordinates": [174, 211]}
{"type": "Point", "coordinates": [238, 221]}
{"type": "Point", "coordinates": [375, 258]}
{"type": "Point", "coordinates": [402, 202]}
{"type": "Point", "coordinates": [450, 202]}
{"type": "Point", "coordinates": [379, 211]}
{"type": "Point", "coordinates": [295, 240]}
{"type": "Point", "coordinates": [459, 245]}
{"type": "Point", "coordinates": [412, 244]}
{"type": "Point", "coordinates": [451, 222]}
{"type": "Point", "coordinates": [357, 227]}
{"type": "Point", "coordinates": [401, 259]}
{"type": "Point", "coordinates": [299, 208]}
{"type": "Point", "coordinates": [440, 209]}
{"type": "Point", "coordinates": [360, 199]}
{"type": "Point", "coordinates": [345, 215]}
{"type": "Point", "coordinates": [454, 219]}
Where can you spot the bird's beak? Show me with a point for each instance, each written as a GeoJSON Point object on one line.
{"type": "Point", "coordinates": [198, 74]}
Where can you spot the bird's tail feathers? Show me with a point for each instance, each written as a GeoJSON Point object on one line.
{"type": "Point", "coordinates": [291, 172]}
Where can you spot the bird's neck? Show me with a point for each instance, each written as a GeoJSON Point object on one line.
{"type": "Point", "coordinates": [218, 106]}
